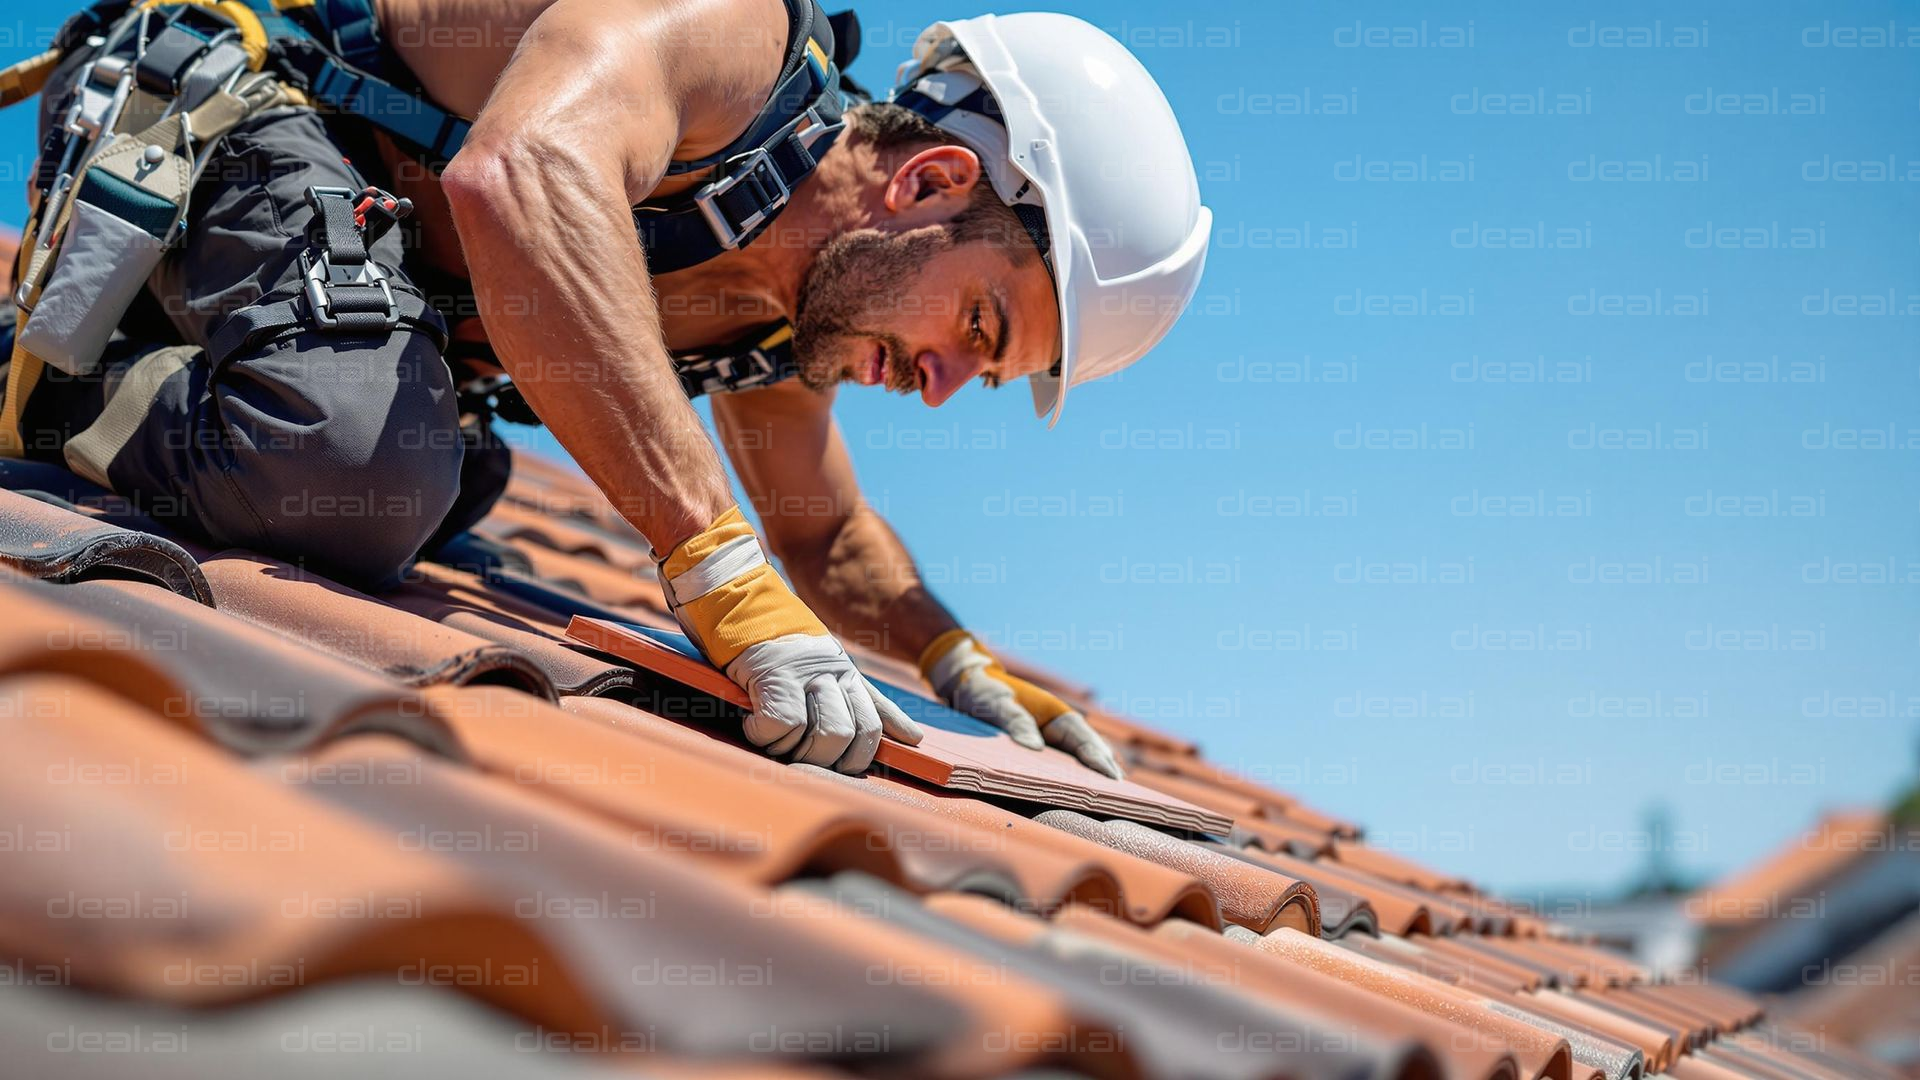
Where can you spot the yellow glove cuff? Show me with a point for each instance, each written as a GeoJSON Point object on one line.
{"type": "Point", "coordinates": [727, 596]}
{"type": "Point", "coordinates": [1042, 705]}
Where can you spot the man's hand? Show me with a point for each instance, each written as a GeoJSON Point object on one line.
{"type": "Point", "coordinates": [809, 702]}
{"type": "Point", "coordinates": [971, 681]}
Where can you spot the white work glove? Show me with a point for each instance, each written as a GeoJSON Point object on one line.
{"type": "Point", "coordinates": [810, 704]}
{"type": "Point", "coordinates": [971, 681]}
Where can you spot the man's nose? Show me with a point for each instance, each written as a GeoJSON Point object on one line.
{"type": "Point", "coordinates": [942, 374]}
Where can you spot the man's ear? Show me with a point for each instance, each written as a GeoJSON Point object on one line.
{"type": "Point", "coordinates": [934, 185]}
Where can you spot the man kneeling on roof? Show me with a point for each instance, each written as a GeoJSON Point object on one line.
{"type": "Point", "coordinates": [652, 201]}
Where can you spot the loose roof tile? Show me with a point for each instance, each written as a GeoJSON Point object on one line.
{"type": "Point", "coordinates": [956, 751]}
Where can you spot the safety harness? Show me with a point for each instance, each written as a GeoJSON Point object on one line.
{"type": "Point", "coordinates": [169, 79]}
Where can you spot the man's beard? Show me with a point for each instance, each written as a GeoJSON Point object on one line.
{"type": "Point", "coordinates": [857, 276]}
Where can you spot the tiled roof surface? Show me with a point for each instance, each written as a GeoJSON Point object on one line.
{"type": "Point", "coordinates": [1761, 891]}
{"type": "Point", "coordinates": [253, 812]}
{"type": "Point", "coordinates": [258, 823]}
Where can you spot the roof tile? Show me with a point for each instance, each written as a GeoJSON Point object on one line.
{"type": "Point", "coordinates": [51, 543]}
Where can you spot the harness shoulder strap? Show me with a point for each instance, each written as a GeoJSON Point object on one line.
{"type": "Point", "coordinates": [756, 174]}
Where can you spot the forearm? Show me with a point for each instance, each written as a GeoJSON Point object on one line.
{"type": "Point", "coordinates": [564, 292]}
{"type": "Point", "coordinates": [864, 584]}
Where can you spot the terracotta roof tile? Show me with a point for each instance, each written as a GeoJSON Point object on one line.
{"type": "Point", "coordinates": [1396, 909]}
{"type": "Point", "coordinates": [699, 962]}
{"type": "Point", "coordinates": [463, 602]}
{"type": "Point", "coordinates": [250, 691]}
{"type": "Point", "coordinates": [1386, 864]}
{"type": "Point", "coordinates": [179, 877]}
{"type": "Point", "coordinates": [1248, 895]}
{"type": "Point", "coordinates": [1539, 1053]}
{"type": "Point", "coordinates": [1335, 1003]}
{"type": "Point", "coordinates": [1656, 1045]}
{"type": "Point", "coordinates": [1170, 1020]}
{"type": "Point", "coordinates": [44, 541]}
{"type": "Point", "coordinates": [358, 629]}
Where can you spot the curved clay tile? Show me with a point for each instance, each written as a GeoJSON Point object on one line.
{"type": "Point", "coordinates": [1134, 1015]}
{"type": "Point", "coordinates": [1409, 954]}
{"type": "Point", "coordinates": [1608, 1058]}
{"type": "Point", "coordinates": [1341, 911]}
{"type": "Point", "coordinates": [1477, 954]}
{"type": "Point", "coordinates": [42, 635]}
{"type": "Point", "coordinates": [1199, 792]}
{"type": "Point", "coordinates": [1019, 1015]}
{"type": "Point", "coordinates": [1684, 1032]}
{"type": "Point", "coordinates": [956, 752]}
{"type": "Point", "coordinates": [1250, 896]}
{"type": "Point", "coordinates": [1656, 1044]}
{"type": "Point", "coordinates": [701, 963]}
{"type": "Point", "coordinates": [672, 800]}
{"type": "Point", "coordinates": [1576, 965]}
{"type": "Point", "coordinates": [512, 522]}
{"type": "Point", "coordinates": [1309, 997]}
{"type": "Point", "coordinates": [1150, 892]}
{"type": "Point", "coordinates": [1695, 1067]}
{"type": "Point", "coordinates": [51, 543]}
{"type": "Point", "coordinates": [180, 877]}
{"type": "Point", "coordinates": [354, 627]}
{"type": "Point", "coordinates": [363, 1027]}
{"type": "Point", "coordinates": [1386, 864]}
{"type": "Point", "coordinates": [1288, 837]}
{"type": "Point", "coordinates": [1539, 1053]}
{"type": "Point", "coordinates": [1398, 910]}
{"type": "Point", "coordinates": [462, 601]}
{"type": "Point", "coordinates": [250, 691]}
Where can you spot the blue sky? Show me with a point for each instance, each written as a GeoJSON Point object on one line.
{"type": "Point", "coordinates": [1619, 389]}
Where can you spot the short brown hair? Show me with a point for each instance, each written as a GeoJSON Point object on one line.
{"type": "Point", "coordinates": [895, 127]}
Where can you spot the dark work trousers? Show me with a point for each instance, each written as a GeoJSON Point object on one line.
{"type": "Point", "coordinates": [341, 451]}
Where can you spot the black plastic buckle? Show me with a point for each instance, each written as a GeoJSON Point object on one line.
{"type": "Point", "coordinates": [768, 187]}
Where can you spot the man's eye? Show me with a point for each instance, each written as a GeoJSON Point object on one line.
{"type": "Point", "coordinates": [973, 325]}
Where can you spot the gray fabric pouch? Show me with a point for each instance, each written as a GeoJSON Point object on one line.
{"type": "Point", "coordinates": [123, 214]}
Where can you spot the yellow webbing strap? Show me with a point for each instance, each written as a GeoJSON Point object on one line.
{"type": "Point", "coordinates": [23, 374]}
{"type": "Point", "coordinates": [24, 79]}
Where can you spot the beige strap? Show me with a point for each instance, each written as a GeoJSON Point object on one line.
{"type": "Point", "coordinates": [128, 402]}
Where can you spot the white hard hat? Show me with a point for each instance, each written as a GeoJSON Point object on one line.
{"type": "Point", "coordinates": [1074, 134]}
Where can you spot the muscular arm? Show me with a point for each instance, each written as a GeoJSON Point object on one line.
{"type": "Point", "coordinates": [845, 561]}
{"type": "Point", "coordinates": [580, 127]}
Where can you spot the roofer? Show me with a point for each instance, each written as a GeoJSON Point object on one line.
{"type": "Point", "coordinates": [652, 201]}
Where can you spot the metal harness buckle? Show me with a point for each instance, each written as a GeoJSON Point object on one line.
{"type": "Point", "coordinates": [322, 277]}
{"type": "Point", "coordinates": [767, 183]}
